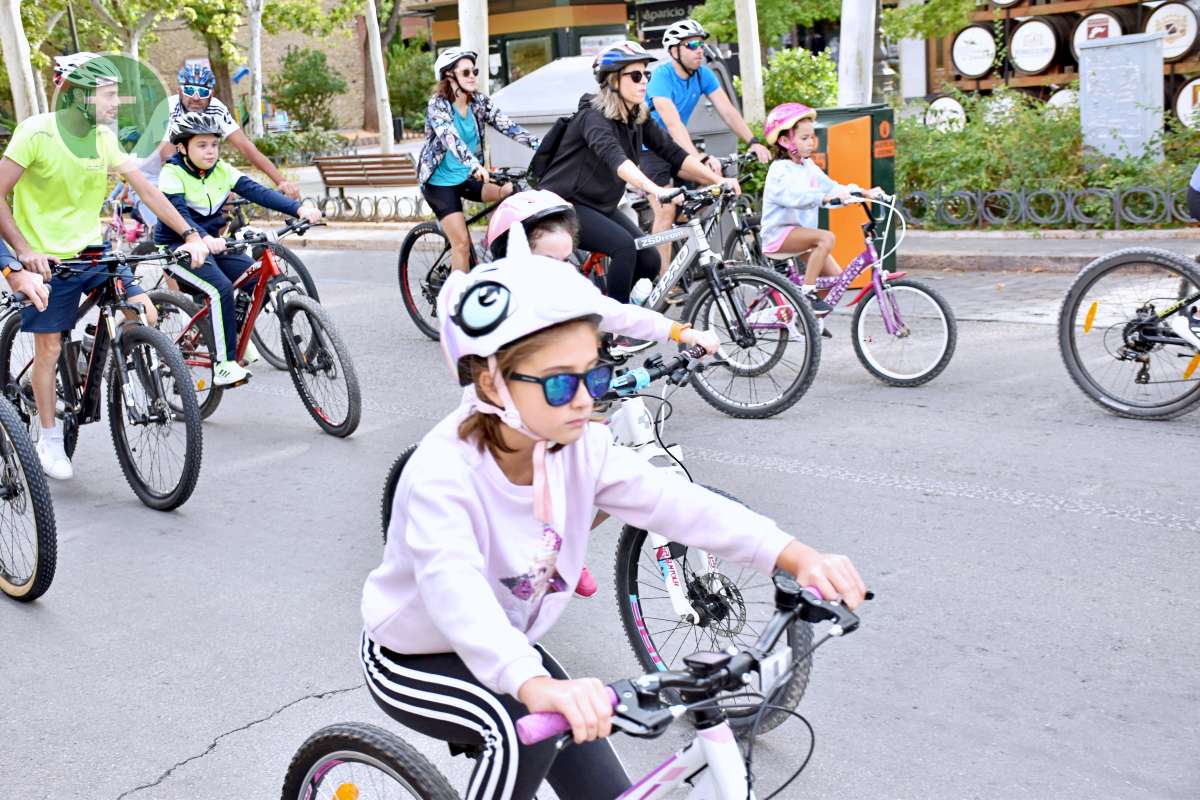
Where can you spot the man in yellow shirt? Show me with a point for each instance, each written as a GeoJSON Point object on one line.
{"type": "Point", "coordinates": [57, 166]}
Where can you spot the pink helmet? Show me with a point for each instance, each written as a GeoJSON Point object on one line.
{"type": "Point", "coordinates": [784, 117]}
{"type": "Point", "coordinates": [524, 207]}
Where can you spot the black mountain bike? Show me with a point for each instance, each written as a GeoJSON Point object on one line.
{"type": "Point", "coordinates": [28, 537]}
{"type": "Point", "coordinates": [152, 408]}
{"type": "Point", "coordinates": [425, 259]}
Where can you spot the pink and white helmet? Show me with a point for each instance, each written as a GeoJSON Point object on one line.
{"type": "Point", "coordinates": [525, 207]}
{"type": "Point", "coordinates": [784, 117]}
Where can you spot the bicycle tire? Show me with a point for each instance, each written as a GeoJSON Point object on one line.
{"type": "Point", "coordinates": [10, 385]}
{"type": "Point", "coordinates": [186, 413]}
{"type": "Point", "coordinates": [197, 345]}
{"type": "Point", "coordinates": [799, 637]}
{"type": "Point", "coordinates": [441, 264]}
{"type": "Point", "coordinates": [743, 247]}
{"type": "Point", "coordinates": [310, 358]}
{"type": "Point", "coordinates": [389, 488]}
{"type": "Point", "coordinates": [267, 336]}
{"type": "Point", "coordinates": [1087, 277]}
{"type": "Point", "coordinates": [950, 343]}
{"type": "Point", "coordinates": [703, 297]}
{"type": "Point", "coordinates": [357, 742]}
{"type": "Point", "coordinates": [19, 463]}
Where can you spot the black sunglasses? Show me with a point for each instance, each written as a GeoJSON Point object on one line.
{"type": "Point", "coordinates": [559, 389]}
{"type": "Point", "coordinates": [637, 75]}
{"type": "Point", "coordinates": [466, 72]}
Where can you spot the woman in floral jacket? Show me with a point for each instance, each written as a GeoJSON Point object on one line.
{"type": "Point", "coordinates": [452, 159]}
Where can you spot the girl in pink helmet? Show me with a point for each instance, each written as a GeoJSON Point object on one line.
{"type": "Point", "coordinates": [795, 190]}
{"type": "Point", "coordinates": [490, 527]}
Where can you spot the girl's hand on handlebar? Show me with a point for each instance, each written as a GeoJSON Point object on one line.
{"type": "Point", "coordinates": [877, 193]}
{"type": "Point", "coordinates": [841, 195]}
{"type": "Point", "coordinates": [214, 244]}
{"type": "Point", "coordinates": [706, 339]}
{"type": "Point", "coordinates": [584, 702]}
{"type": "Point", "coordinates": [481, 174]}
{"type": "Point", "coordinates": [310, 215]}
{"type": "Point", "coordinates": [833, 575]}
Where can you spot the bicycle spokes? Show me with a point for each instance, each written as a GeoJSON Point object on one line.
{"type": "Point", "coordinates": [156, 445]}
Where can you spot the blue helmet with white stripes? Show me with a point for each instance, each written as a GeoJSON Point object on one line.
{"type": "Point", "coordinates": [612, 59]}
{"type": "Point", "coordinates": [197, 75]}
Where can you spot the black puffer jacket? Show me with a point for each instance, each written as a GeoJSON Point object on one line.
{"type": "Point", "coordinates": [584, 169]}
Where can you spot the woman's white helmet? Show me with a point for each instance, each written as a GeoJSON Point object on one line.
{"type": "Point", "coordinates": [681, 31]}
{"type": "Point", "coordinates": [451, 56]}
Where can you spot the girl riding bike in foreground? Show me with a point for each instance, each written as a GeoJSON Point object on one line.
{"type": "Point", "coordinates": [794, 191]}
{"type": "Point", "coordinates": [489, 532]}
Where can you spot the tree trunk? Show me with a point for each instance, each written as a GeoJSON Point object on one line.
{"type": "Point", "coordinates": [750, 57]}
{"type": "Point", "coordinates": [856, 57]}
{"type": "Point", "coordinates": [133, 44]}
{"type": "Point", "coordinates": [220, 68]}
{"type": "Point", "coordinates": [17, 60]}
{"type": "Point", "coordinates": [370, 109]}
{"type": "Point", "coordinates": [256, 90]}
{"type": "Point", "coordinates": [383, 108]}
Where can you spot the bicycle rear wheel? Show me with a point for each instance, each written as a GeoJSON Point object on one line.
{"type": "Point", "coordinates": [195, 343]}
{"type": "Point", "coordinates": [1108, 327]}
{"type": "Point", "coordinates": [16, 364]}
{"type": "Point", "coordinates": [266, 334]}
{"type": "Point", "coordinates": [423, 267]}
{"type": "Point", "coordinates": [28, 537]}
{"type": "Point", "coordinates": [320, 366]}
{"type": "Point", "coordinates": [154, 418]}
{"type": "Point", "coordinates": [765, 364]}
{"type": "Point", "coordinates": [354, 761]}
{"type": "Point", "coordinates": [734, 604]}
{"type": "Point", "coordinates": [924, 345]}
{"type": "Point", "coordinates": [389, 488]}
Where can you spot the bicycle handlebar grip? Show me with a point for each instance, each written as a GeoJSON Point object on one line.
{"type": "Point", "coordinates": [695, 351]}
{"type": "Point", "coordinates": [541, 725]}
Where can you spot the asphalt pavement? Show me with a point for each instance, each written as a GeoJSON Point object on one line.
{"type": "Point", "coordinates": [1034, 558]}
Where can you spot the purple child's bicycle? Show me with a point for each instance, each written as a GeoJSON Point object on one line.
{"type": "Point", "coordinates": [904, 332]}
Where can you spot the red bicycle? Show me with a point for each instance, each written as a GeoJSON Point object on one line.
{"type": "Point", "coordinates": [315, 354]}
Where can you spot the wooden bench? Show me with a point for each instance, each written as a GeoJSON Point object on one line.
{"type": "Point", "coordinates": [338, 172]}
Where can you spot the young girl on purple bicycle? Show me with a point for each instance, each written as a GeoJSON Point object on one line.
{"type": "Point", "coordinates": [489, 532]}
{"type": "Point", "coordinates": [795, 190]}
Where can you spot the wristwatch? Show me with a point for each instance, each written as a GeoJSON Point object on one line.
{"type": "Point", "coordinates": [754, 140]}
{"type": "Point", "coordinates": [185, 234]}
{"type": "Point", "coordinates": [16, 266]}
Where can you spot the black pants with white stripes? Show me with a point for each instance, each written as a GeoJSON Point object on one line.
{"type": "Point", "coordinates": [437, 695]}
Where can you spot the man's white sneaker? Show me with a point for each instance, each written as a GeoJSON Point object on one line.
{"type": "Point", "coordinates": [54, 458]}
{"type": "Point", "coordinates": [230, 373]}
{"type": "Point", "coordinates": [251, 355]}
{"type": "Point", "coordinates": [1182, 327]}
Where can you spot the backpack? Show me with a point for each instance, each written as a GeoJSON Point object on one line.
{"type": "Point", "coordinates": [548, 149]}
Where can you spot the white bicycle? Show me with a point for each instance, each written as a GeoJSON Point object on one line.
{"type": "Point", "coordinates": [364, 762]}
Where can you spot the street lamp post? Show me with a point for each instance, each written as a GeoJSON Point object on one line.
{"type": "Point", "coordinates": [856, 54]}
{"type": "Point", "coordinates": [473, 35]}
{"type": "Point", "coordinates": [383, 106]}
{"type": "Point", "coordinates": [750, 56]}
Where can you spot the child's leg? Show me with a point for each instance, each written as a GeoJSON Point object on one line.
{"type": "Point", "coordinates": [820, 260]}
{"type": "Point", "coordinates": [210, 280]}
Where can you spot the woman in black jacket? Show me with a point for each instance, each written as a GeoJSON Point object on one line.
{"type": "Point", "coordinates": [599, 155]}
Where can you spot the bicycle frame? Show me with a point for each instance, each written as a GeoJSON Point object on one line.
{"type": "Point", "coordinates": [713, 748]}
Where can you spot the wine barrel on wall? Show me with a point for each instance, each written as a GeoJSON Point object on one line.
{"type": "Point", "coordinates": [1108, 23]}
{"type": "Point", "coordinates": [974, 51]}
{"type": "Point", "coordinates": [1180, 27]}
{"type": "Point", "coordinates": [1039, 44]}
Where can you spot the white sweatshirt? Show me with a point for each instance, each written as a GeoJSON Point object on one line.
{"type": "Point", "coordinates": [467, 569]}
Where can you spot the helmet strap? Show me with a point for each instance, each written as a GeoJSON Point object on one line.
{"type": "Point", "coordinates": [542, 504]}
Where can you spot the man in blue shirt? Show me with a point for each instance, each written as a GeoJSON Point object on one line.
{"type": "Point", "coordinates": [674, 92]}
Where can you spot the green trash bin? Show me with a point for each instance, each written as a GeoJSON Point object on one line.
{"type": "Point", "coordinates": [857, 144]}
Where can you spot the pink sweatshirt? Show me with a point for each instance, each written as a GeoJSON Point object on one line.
{"type": "Point", "coordinates": [467, 569]}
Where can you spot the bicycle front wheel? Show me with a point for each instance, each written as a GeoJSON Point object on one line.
{"type": "Point", "coordinates": [922, 345]}
{"type": "Point", "coordinates": [154, 418]}
{"type": "Point", "coordinates": [1116, 349]}
{"type": "Point", "coordinates": [733, 603]}
{"type": "Point", "coordinates": [16, 376]}
{"type": "Point", "coordinates": [266, 334]}
{"type": "Point", "coordinates": [28, 537]}
{"type": "Point", "coordinates": [389, 488]}
{"type": "Point", "coordinates": [320, 366]}
{"type": "Point", "coordinates": [353, 760]}
{"type": "Point", "coordinates": [195, 342]}
{"type": "Point", "coordinates": [423, 267]}
{"type": "Point", "coordinates": [770, 344]}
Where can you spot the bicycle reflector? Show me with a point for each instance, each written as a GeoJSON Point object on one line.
{"type": "Point", "coordinates": [482, 308]}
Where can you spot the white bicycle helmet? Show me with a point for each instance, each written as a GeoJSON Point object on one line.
{"type": "Point", "coordinates": [90, 70]}
{"type": "Point", "coordinates": [682, 31]}
{"type": "Point", "coordinates": [450, 57]}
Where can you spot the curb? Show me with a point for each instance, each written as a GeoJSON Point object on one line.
{"type": "Point", "coordinates": [1116, 236]}
{"type": "Point", "coordinates": [987, 262]}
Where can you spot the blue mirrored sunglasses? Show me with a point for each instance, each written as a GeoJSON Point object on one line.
{"type": "Point", "coordinates": [559, 389]}
{"type": "Point", "coordinates": [694, 44]}
{"type": "Point", "coordinates": [197, 91]}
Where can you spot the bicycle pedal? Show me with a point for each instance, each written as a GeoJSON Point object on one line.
{"type": "Point", "coordinates": [825, 334]}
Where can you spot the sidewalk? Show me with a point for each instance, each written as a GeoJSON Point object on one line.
{"type": "Point", "coordinates": [1064, 252]}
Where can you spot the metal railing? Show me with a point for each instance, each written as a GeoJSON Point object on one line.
{"type": "Point", "coordinates": [1134, 206]}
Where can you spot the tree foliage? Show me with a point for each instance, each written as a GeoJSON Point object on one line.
{"type": "Point", "coordinates": [409, 79]}
{"type": "Point", "coordinates": [776, 18]}
{"type": "Point", "coordinates": [305, 85]}
{"type": "Point", "coordinates": [927, 20]}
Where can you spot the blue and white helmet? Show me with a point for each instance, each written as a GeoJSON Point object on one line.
{"type": "Point", "coordinates": [197, 75]}
{"type": "Point", "coordinates": [612, 59]}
